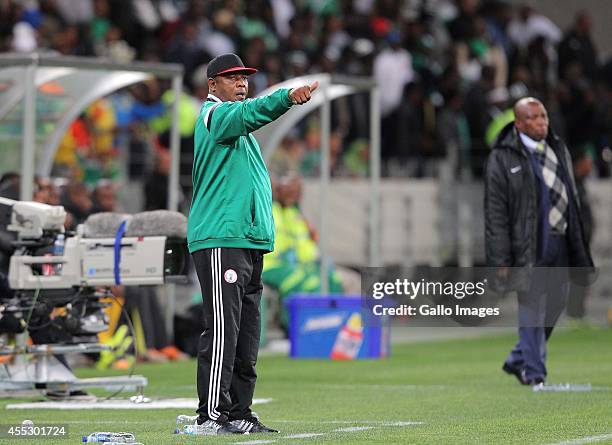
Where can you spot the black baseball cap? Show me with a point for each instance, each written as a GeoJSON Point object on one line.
{"type": "Point", "coordinates": [225, 64]}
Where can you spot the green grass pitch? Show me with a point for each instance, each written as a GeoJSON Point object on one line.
{"type": "Point", "coordinates": [455, 388]}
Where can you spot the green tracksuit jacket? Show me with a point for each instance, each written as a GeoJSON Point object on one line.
{"type": "Point", "coordinates": [232, 196]}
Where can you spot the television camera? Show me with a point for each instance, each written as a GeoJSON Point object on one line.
{"type": "Point", "coordinates": [57, 282]}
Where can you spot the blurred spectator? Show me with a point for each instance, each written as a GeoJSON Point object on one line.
{"type": "Point", "coordinates": [100, 24]}
{"type": "Point", "coordinates": [76, 12]}
{"type": "Point", "coordinates": [578, 47]}
{"type": "Point", "coordinates": [521, 83]}
{"type": "Point", "coordinates": [87, 151]}
{"type": "Point", "coordinates": [75, 199]}
{"type": "Point", "coordinates": [477, 51]}
{"type": "Point", "coordinates": [529, 25]}
{"type": "Point", "coordinates": [104, 197]}
{"type": "Point", "coordinates": [454, 133]}
{"type": "Point", "coordinates": [578, 105]}
{"type": "Point", "coordinates": [476, 104]}
{"type": "Point", "coordinates": [76, 141]}
{"type": "Point", "coordinates": [24, 38]}
{"type": "Point", "coordinates": [498, 19]}
{"type": "Point", "coordinates": [461, 28]}
{"type": "Point", "coordinates": [499, 113]}
{"type": "Point", "coordinates": [221, 35]}
{"type": "Point", "coordinates": [100, 160]}
{"type": "Point", "coordinates": [146, 106]}
{"type": "Point", "coordinates": [583, 165]}
{"type": "Point", "coordinates": [152, 340]}
{"type": "Point", "coordinates": [199, 83]}
{"type": "Point", "coordinates": [115, 48]}
{"type": "Point", "coordinates": [393, 69]}
{"type": "Point", "coordinates": [256, 23]}
{"type": "Point", "coordinates": [156, 185]}
{"type": "Point", "coordinates": [9, 185]}
{"type": "Point", "coordinates": [311, 160]}
{"type": "Point", "coordinates": [283, 11]}
{"type": "Point", "coordinates": [45, 191]}
{"type": "Point", "coordinates": [186, 50]}
{"type": "Point", "coordinates": [294, 264]}
{"type": "Point", "coordinates": [428, 41]}
{"type": "Point", "coordinates": [288, 156]}
{"type": "Point", "coordinates": [357, 159]}
{"type": "Point", "coordinates": [413, 141]}
{"type": "Point", "coordinates": [9, 17]}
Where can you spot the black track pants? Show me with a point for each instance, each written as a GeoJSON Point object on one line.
{"type": "Point", "coordinates": [231, 291]}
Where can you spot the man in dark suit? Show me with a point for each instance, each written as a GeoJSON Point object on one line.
{"type": "Point", "coordinates": [533, 225]}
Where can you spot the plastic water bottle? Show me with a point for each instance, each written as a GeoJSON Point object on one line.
{"type": "Point", "coordinates": [122, 443]}
{"type": "Point", "coordinates": [108, 438]}
{"type": "Point", "coordinates": [97, 437]}
{"type": "Point", "coordinates": [349, 339]}
{"type": "Point", "coordinates": [189, 429]}
{"type": "Point", "coordinates": [184, 423]}
{"type": "Point", "coordinates": [563, 387]}
{"type": "Point", "coordinates": [58, 250]}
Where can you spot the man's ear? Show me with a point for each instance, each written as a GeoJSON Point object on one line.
{"type": "Point", "coordinates": [212, 85]}
{"type": "Point", "coordinates": [518, 125]}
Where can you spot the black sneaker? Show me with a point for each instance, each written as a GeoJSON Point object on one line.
{"type": "Point", "coordinates": [251, 425]}
{"type": "Point", "coordinates": [214, 428]}
{"type": "Point", "coordinates": [538, 383]}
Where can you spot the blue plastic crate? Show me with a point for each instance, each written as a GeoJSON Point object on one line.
{"type": "Point", "coordinates": [335, 327]}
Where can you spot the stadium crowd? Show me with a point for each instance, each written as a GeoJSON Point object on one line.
{"type": "Point", "coordinates": [451, 70]}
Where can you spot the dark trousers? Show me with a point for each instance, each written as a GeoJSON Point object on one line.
{"type": "Point", "coordinates": [539, 309]}
{"type": "Point", "coordinates": [144, 300]}
{"type": "Point", "coordinates": [231, 291]}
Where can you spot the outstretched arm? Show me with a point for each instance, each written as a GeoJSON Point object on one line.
{"type": "Point", "coordinates": [227, 121]}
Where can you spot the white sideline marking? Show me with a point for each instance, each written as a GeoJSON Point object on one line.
{"type": "Point", "coordinates": [303, 436]}
{"type": "Point", "coordinates": [350, 429]}
{"type": "Point", "coordinates": [256, 442]}
{"type": "Point", "coordinates": [353, 429]}
{"type": "Point", "coordinates": [108, 422]}
{"type": "Point", "coordinates": [582, 440]}
{"type": "Point", "coordinates": [350, 422]}
{"type": "Point", "coordinates": [379, 387]}
{"type": "Point", "coordinates": [191, 404]}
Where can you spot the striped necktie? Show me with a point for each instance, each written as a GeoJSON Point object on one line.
{"type": "Point", "coordinates": [551, 172]}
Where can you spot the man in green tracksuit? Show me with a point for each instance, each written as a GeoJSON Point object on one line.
{"type": "Point", "coordinates": [230, 229]}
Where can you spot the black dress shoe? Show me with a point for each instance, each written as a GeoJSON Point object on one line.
{"type": "Point", "coordinates": [516, 372]}
{"type": "Point", "coordinates": [538, 381]}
